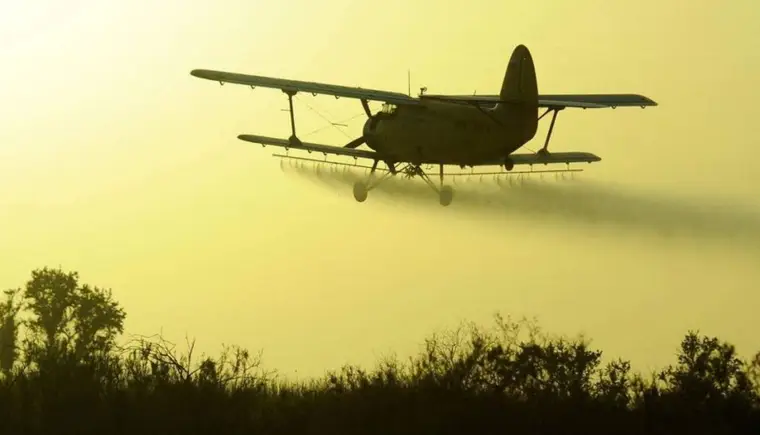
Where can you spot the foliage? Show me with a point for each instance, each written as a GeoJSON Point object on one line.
{"type": "Point", "coordinates": [70, 377]}
{"type": "Point", "coordinates": [70, 316]}
{"type": "Point", "coordinates": [9, 310]}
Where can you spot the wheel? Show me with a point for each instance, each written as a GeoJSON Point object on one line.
{"type": "Point", "coordinates": [446, 195]}
{"type": "Point", "coordinates": [360, 191]}
{"type": "Point", "coordinates": [509, 164]}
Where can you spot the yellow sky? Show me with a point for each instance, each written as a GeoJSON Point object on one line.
{"type": "Point", "coordinates": [117, 163]}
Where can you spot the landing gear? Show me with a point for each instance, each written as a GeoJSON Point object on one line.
{"type": "Point", "coordinates": [362, 187]}
{"type": "Point", "coordinates": [446, 195]}
{"type": "Point", "coordinates": [360, 191]}
{"type": "Point", "coordinates": [509, 164]}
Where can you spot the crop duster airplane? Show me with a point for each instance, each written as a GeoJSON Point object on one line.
{"type": "Point", "coordinates": [462, 130]}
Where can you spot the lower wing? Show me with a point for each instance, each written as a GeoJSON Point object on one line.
{"type": "Point", "coordinates": [560, 157]}
{"type": "Point", "coordinates": [518, 159]}
{"type": "Point", "coordinates": [311, 147]}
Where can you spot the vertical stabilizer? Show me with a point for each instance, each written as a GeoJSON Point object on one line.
{"type": "Point", "coordinates": [519, 93]}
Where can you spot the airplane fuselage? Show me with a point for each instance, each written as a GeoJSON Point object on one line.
{"type": "Point", "coordinates": [438, 132]}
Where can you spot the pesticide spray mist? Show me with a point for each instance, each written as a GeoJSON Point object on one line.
{"type": "Point", "coordinates": [559, 197]}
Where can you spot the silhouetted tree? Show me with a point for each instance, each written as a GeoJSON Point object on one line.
{"type": "Point", "coordinates": [67, 316]}
{"type": "Point", "coordinates": [708, 369]}
{"type": "Point", "coordinates": [97, 318]}
{"type": "Point", "coordinates": [9, 310]}
{"type": "Point", "coordinates": [753, 372]}
{"type": "Point", "coordinates": [709, 387]}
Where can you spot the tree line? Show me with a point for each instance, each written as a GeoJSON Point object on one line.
{"type": "Point", "coordinates": [64, 370]}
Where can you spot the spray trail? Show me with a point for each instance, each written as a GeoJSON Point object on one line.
{"type": "Point", "coordinates": [564, 199]}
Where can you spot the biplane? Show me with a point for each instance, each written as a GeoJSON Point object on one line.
{"type": "Point", "coordinates": [462, 130]}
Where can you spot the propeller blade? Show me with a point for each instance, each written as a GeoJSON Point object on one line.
{"type": "Point", "coordinates": [355, 143]}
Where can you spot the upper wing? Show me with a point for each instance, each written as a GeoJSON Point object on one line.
{"type": "Point", "coordinates": [311, 147]}
{"type": "Point", "coordinates": [300, 86]}
{"type": "Point", "coordinates": [559, 101]}
{"type": "Point", "coordinates": [595, 100]}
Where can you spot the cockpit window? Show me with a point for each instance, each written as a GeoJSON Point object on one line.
{"type": "Point", "coordinates": [388, 109]}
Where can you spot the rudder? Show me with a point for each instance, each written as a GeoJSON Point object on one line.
{"type": "Point", "coordinates": [519, 93]}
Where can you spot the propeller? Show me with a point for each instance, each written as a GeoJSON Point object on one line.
{"type": "Point", "coordinates": [355, 143]}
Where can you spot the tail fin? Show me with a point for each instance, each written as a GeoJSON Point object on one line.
{"type": "Point", "coordinates": [519, 93]}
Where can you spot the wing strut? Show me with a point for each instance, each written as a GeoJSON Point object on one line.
{"type": "Point", "coordinates": [365, 105]}
{"type": "Point", "coordinates": [545, 150]}
{"type": "Point", "coordinates": [293, 139]}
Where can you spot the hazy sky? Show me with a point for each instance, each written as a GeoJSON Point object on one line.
{"type": "Point", "coordinates": [115, 162]}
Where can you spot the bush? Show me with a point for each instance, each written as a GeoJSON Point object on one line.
{"type": "Point", "coordinates": [69, 376]}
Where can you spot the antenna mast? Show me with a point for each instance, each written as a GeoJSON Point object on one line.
{"type": "Point", "coordinates": [409, 82]}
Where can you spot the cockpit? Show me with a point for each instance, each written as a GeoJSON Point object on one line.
{"type": "Point", "coordinates": [388, 109]}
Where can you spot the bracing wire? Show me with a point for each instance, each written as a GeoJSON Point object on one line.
{"type": "Point", "coordinates": [331, 123]}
